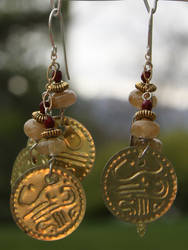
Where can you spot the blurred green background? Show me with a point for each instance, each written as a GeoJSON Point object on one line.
{"type": "Point", "coordinates": [24, 28]}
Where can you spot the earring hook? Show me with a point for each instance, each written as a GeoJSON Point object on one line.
{"type": "Point", "coordinates": [56, 12]}
{"type": "Point", "coordinates": [148, 56]}
{"type": "Point", "coordinates": [148, 6]}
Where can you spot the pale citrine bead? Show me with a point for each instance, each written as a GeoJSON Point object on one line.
{"type": "Point", "coordinates": [52, 146]}
{"type": "Point", "coordinates": [63, 100]}
{"type": "Point", "coordinates": [156, 145]}
{"type": "Point", "coordinates": [135, 98]}
{"type": "Point", "coordinates": [145, 129]}
{"type": "Point", "coordinates": [33, 129]}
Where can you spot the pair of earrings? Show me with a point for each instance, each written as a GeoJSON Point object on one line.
{"type": "Point", "coordinates": [139, 184]}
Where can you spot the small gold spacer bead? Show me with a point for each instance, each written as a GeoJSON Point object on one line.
{"type": "Point", "coordinates": [39, 117]}
{"type": "Point", "coordinates": [58, 87]}
{"type": "Point", "coordinates": [147, 114]}
{"type": "Point", "coordinates": [52, 132]}
{"type": "Point", "coordinates": [144, 87]}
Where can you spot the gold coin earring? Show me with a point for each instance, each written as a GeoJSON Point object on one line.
{"type": "Point", "coordinates": [47, 198]}
{"type": "Point", "coordinates": [139, 182]}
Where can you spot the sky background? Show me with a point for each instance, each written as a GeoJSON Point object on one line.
{"type": "Point", "coordinates": [106, 44]}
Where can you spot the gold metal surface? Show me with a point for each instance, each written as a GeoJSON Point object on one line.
{"type": "Point", "coordinates": [148, 114]}
{"type": "Point", "coordinates": [145, 87]}
{"type": "Point", "coordinates": [23, 162]}
{"type": "Point", "coordinates": [139, 190]}
{"type": "Point", "coordinates": [48, 207]}
{"type": "Point", "coordinates": [79, 155]}
{"type": "Point", "coordinates": [57, 87]}
{"type": "Point", "coordinates": [52, 132]}
{"type": "Point", "coordinates": [39, 117]}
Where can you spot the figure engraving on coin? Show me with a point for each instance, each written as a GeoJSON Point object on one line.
{"type": "Point", "coordinates": [139, 190]}
{"type": "Point", "coordinates": [48, 210]}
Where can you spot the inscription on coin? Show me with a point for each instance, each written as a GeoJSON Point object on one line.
{"type": "Point", "coordinates": [79, 156]}
{"type": "Point", "coordinates": [139, 190]}
{"type": "Point", "coordinates": [48, 207]}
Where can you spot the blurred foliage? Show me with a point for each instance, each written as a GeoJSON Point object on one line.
{"type": "Point", "coordinates": [111, 235]}
{"type": "Point", "coordinates": [15, 110]}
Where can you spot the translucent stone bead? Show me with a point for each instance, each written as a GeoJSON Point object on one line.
{"type": "Point", "coordinates": [135, 99]}
{"type": "Point", "coordinates": [156, 145]}
{"type": "Point", "coordinates": [145, 129]}
{"type": "Point", "coordinates": [63, 100]}
{"type": "Point", "coordinates": [33, 129]}
{"type": "Point", "coordinates": [51, 146]}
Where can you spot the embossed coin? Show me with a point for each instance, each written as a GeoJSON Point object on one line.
{"type": "Point", "coordinates": [139, 190]}
{"type": "Point", "coordinates": [24, 162]}
{"type": "Point", "coordinates": [79, 155]}
{"type": "Point", "coordinates": [48, 207]}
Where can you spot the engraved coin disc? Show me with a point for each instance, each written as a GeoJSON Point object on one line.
{"type": "Point", "coordinates": [139, 190]}
{"type": "Point", "coordinates": [24, 162]}
{"type": "Point", "coordinates": [79, 155]}
{"type": "Point", "coordinates": [48, 205]}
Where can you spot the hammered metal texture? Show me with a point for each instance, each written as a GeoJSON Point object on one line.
{"type": "Point", "coordinates": [139, 190]}
{"type": "Point", "coordinates": [48, 207]}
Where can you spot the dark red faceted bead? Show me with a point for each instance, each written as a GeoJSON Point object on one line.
{"type": "Point", "coordinates": [58, 76]}
{"type": "Point", "coordinates": [147, 104]}
{"type": "Point", "coordinates": [49, 122]}
{"type": "Point", "coordinates": [41, 106]}
{"type": "Point", "coordinates": [145, 76]}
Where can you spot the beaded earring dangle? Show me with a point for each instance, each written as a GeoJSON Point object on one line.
{"type": "Point", "coordinates": [47, 198]}
{"type": "Point", "coordinates": [139, 183]}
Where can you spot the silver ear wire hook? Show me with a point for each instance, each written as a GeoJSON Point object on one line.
{"type": "Point", "coordinates": [148, 56]}
{"type": "Point", "coordinates": [148, 6]}
{"type": "Point", "coordinates": [56, 12]}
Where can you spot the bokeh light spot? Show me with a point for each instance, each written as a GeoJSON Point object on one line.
{"type": "Point", "coordinates": [18, 85]}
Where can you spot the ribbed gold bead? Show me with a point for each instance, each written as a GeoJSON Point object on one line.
{"type": "Point", "coordinates": [58, 87]}
{"type": "Point", "coordinates": [39, 117]}
{"type": "Point", "coordinates": [52, 132]}
{"type": "Point", "coordinates": [147, 114]}
{"type": "Point", "coordinates": [144, 87]}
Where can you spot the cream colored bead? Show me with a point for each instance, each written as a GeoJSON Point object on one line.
{"type": "Point", "coordinates": [145, 129]}
{"type": "Point", "coordinates": [135, 98]}
{"type": "Point", "coordinates": [51, 146]}
{"type": "Point", "coordinates": [63, 100]}
{"type": "Point", "coordinates": [33, 129]}
{"type": "Point", "coordinates": [156, 145]}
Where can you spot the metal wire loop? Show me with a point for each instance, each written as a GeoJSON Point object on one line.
{"type": "Point", "coordinates": [56, 12]}
{"type": "Point", "coordinates": [147, 96]}
{"type": "Point", "coordinates": [148, 8]}
{"type": "Point", "coordinates": [31, 154]}
{"type": "Point", "coordinates": [56, 4]}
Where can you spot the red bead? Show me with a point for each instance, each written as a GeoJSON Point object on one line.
{"type": "Point", "coordinates": [145, 76]}
{"type": "Point", "coordinates": [147, 104]}
{"type": "Point", "coordinates": [58, 76]}
{"type": "Point", "coordinates": [49, 122]}
{"type": "Point", "coordinates": [41, 106]}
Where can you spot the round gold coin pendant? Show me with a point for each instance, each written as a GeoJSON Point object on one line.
{"type": "Point", "coordinates": [79, 155]}
{"type": "Point", "coordinates": [48, 205]}
{"type": "Point", "coordinates": [139, 190]}
{"type": "Point", "coordinates": [24, 162]}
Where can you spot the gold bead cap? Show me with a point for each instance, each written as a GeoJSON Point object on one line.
{"type": "Point", "coordinates": [143, 87]}
{"type": "Point", "coordinates": [52, 132]}
{"type": "Point", "coordinates": [145, 114]}
{"type": "Point", "coordinates": [58, 87]}
{"type": "Point", "coordinates": [39, 117]}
